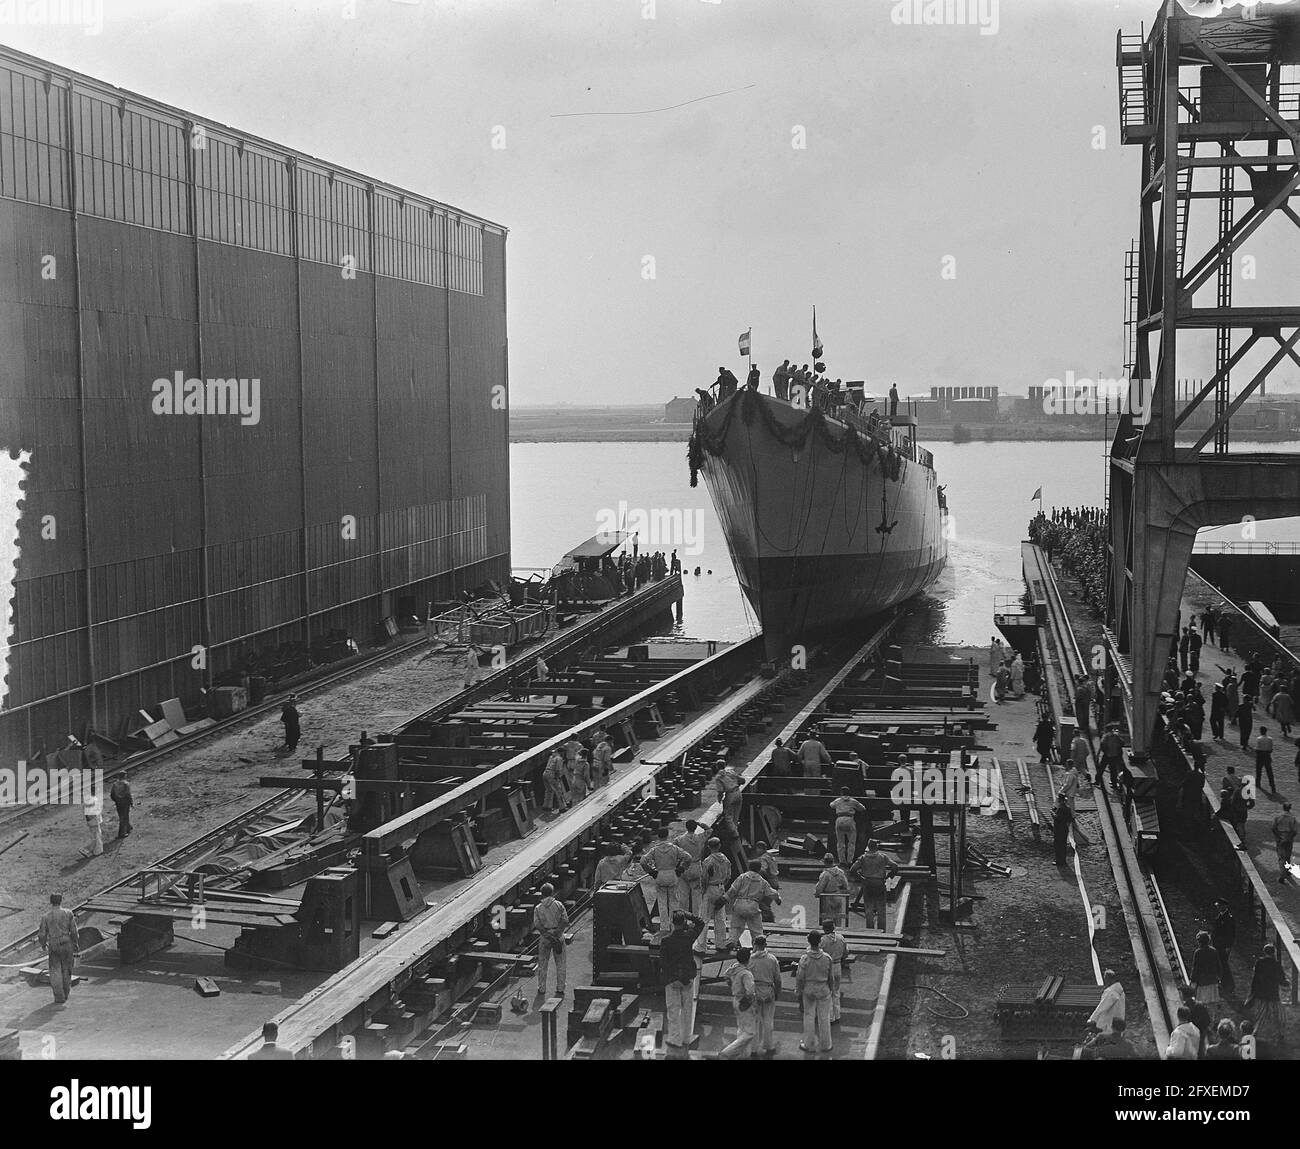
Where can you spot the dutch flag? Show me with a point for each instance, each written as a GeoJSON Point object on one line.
{"type": "Point", "coordinates": [744, 341]}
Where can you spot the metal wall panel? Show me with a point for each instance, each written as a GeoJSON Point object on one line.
{"type": "Point", "coordinates": [32, 140]}
{"type": "Point", "coordinates": [354, 417]}
{"type": "Point", "coordinates": [243, 196]}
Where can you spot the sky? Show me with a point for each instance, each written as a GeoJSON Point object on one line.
{"type": "Point", "coordinates": [953, 200]}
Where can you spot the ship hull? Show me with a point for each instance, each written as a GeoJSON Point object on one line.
{"type": "Point", "coordinates": [820, 538]}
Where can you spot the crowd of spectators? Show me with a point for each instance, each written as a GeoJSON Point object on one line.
{"type": "Point", "coordinates": [1076, 536]}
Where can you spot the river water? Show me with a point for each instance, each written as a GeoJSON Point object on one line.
{"type": "Point", "coordinates": [562, 493]}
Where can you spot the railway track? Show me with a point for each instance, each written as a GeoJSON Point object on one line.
{"type": "Point", "coordinates": [1155, 948]}
{"type": "Point", "coordinates": [657, 596]}
{"type": "Point", "coordinates": [662, 787]}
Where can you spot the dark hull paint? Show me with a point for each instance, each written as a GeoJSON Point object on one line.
{"type": "Point", "coordinates": [802, 528]}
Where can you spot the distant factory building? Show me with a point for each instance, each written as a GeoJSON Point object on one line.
{"type": "Point", "coordinates": [679, 411]}
{"type": "Point", "coordinates": [264, 397]}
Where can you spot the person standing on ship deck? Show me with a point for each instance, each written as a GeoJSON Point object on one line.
{"type": "Point", "coordinates": [893, 400]}
{"type": "Point", "coordinates": [781, 381]}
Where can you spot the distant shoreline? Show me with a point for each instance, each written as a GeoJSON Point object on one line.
{"type": "Point", "coordinates": [578, 430]}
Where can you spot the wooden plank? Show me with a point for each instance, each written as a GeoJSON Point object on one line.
{"type": "Point", "coordinates": [410, 825]}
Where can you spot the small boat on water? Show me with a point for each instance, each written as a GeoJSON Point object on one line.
{"type": "Point", "coordinates": [832, 512]}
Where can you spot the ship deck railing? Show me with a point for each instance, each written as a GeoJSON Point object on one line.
{"type": "Point", "coordinates": [858, 416]}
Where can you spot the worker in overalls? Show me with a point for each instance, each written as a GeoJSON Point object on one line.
{"type": "Point", "coordinates": [664, 860]}
{"type": "Point", "coordinates": [602, 761]}
{"type": "Point", "coordinates": [832, 890]}
{"type": "Point", "coordinates": [572, 748]}
{"type": "Point", "coordinates": [717, 875]}
{"type": "Point", "coordinates": [58, 935]}
{"type": "Point", "coordinates": [771, 871]}
{"type": "Point", "coordinates": [550, 920]}
{"type": "Point", "coordinates": [690, 886]}
{"type": "Point", "coordinates": [610, 868]}
{"type": "Point", "coordinates": [743, 899]}
{"type": "Point", "coordinates": [727, 784]}
{"type": "Point", "coordinates": [581, 776]}
{"type": "Point", "coordinates": [553, 780]}
{"type": "Point", "coordinates": [846, 810]}
{"type": "Point", "coordinates": [741, 981]}
{"type": "Point", "coordinates": [873, 870]}
{"type": "Point", "coordinates": [835, 948]}
{"type": "Point", "coordinates": [767, 989]}
{"type": "Point", "coordinates": [815, 982]}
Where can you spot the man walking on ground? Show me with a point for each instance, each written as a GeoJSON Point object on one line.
{"type": "Point", "coordinates": [815, 982]}
{"type": "Point", "coordinates": [1062, 818]}
{"type": "Point", "coordinates": [1112, 755]}
{"type": "Point", "coordinates": [677, 960]}
{"type": "Point", "coordinates": [767, 990]}
{"type": "Point", "coordinates": [1264, 760]}
{"type": "Point", "coordinates": [1083, 705]}
{"type": "Point", "coordinates": [1193, 651]}
{"type": "Point", "coordinates": [1079, 755]}
{"type": "Point", "coordinates": [1282, 707]}
{"type": "Point", "coordinates": [120, 793]}
{"type": "Point", "coordinates": [93, 808]}
{"type": "Point", "coordinates": [741, 981]}
{"type": "Point", "coordinates": [1112, 1006]}
{"type": "Point", "coordinates": [1223, 937]}
{"type": "Point", "coordinates": [57, 934]}
{"type": "Point", "coordinates": [1245, 720]}
{"type": "Point", "coordinates": [550, 920]}
{"type": "Point", "coordinates": [1284, 832]}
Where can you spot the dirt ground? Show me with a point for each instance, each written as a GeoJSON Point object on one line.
{"type": "Point", "coordinates": [1028, 927]}
{"type": "Point", "coordinates": [192, 791]}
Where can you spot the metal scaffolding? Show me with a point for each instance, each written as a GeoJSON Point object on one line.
{"type": "Point", "coordinates": [1241, 113]}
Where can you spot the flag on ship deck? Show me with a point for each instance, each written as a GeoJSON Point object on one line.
{"type": "Point", "coordinates": [817, 339]}
{"type": "Point", "coordinates": [1038, 494]}
{"type": "Point", "coordinates": [744, 341]}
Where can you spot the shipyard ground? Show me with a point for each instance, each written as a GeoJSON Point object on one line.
{"type": "Point", "coordinates": [149, 1010]}
{"type": "Point", "coordinates": [1195, 864]}
{"type": "Point", "coordinates": [1029, 926]}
